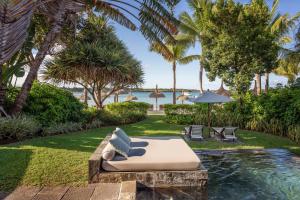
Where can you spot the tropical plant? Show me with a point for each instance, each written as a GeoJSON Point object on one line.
{"type": "Point", "coordinates": [235, 43]}
{"type": "Point", "coordinates": [149, 16]}
{"type": "Point", "coordinates": [97, 60]}
{"type": "Point", "coordinates": [175, 54]}
{"type": "Point", "coordinates": [192, 27]}
{"type": "Point", "coordinates": [289, 65]}
{"type": "Point", "coordinates": [279, 25]}
{"type": "Point", "coordinates": [51, 105]}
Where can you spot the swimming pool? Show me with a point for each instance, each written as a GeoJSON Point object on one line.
{"type": "Point", "coordinates": [270, 174]}
{"type": "Point", "coordinates": [274, 174]}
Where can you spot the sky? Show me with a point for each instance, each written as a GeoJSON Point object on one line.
{"type": "Point", "coordinates": [158, 71]}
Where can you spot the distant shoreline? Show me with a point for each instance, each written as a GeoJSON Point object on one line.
{"type": "Point", "coordinates": [138, 89]}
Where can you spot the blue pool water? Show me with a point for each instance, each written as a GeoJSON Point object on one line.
{"type": "Point", "coordinates": [271, 175]}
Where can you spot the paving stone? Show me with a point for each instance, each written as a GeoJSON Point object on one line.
{"type": "Point", "coordinates": [51, 193]}
{"type": "Point", "coordinates": [106, 191]}
{"type": "Point", "coordinates": [24, 193]}
{"type": "Point", "coordinates": [79, 193]}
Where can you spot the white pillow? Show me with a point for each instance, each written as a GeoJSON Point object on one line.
{"type": "Point", "coordinates": [108, 152]}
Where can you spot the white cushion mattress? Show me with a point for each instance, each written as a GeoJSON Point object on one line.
{"type": "Point", "coordinates": [156, 154]}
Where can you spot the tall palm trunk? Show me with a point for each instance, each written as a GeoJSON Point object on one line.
{"type": "Point", "coordinates": [258, 82]}
{"type": "Point", "coordinates": [267, 82]}
{"type": "Point", "coordinates": [174, 82]}
{"type": "Point", "coordinates": [2, 89]}
{"type": "Point", "coordinates": [39, 58]}
{"type": "Point", "coordinates": [201, 78]}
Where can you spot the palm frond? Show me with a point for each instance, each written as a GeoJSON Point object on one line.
{"type": "Point", "coordinates": [188, 59]}
{"type": "Point", "coordinates": [15, 19]}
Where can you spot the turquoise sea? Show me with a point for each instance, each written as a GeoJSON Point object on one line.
{"type": "Point", "coordinates": [144, 97]}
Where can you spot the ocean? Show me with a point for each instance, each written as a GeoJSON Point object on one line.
{"type": "Point", "coordinates": [144, 97]}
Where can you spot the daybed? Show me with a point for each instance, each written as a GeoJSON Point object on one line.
{"type": "Point", "coordinates": [153, 162]}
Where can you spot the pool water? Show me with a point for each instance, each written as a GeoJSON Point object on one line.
{"type": "Point", "coordinates": [274, 174]}
{"type": "Point", "coordinates": [269, 175]}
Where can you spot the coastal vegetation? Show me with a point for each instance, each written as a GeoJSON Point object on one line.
{"type": "Point", "coordinates": [62, 159]}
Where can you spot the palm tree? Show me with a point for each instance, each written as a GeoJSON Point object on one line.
{"type": "Point", "coordinates": [192, 27]}
{"type": "Point", "coordinates": [289, 67]}
{"type": "Point", "coordinates": [149, 16]}
{"type": "Point", "coordinates": [174, 54]}
{"type": "Point", "coordinates": [279, 25]}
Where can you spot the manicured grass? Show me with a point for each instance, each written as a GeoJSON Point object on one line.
{"type": "Point", "coordinates": [63, 159]}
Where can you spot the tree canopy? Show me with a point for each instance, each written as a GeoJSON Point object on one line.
{"type": "Point", "coordinates": [97, 60]}
{"type": "Point", "coordinates": [235, 43]}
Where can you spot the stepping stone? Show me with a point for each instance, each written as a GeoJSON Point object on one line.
{"type": "Point", "coordinates": [106, 191]}
{"type": "Point", "coordinates": [24, 193]}
{"type": "Point", "coordinates": [128, 190]}
{"type": "Point", "coordinates": [51, 193]}
{"type": "Point", "coordinates": [79, 193]}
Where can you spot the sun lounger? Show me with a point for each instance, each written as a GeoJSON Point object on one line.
{"type": "Point", "coordinates": [196, 132]}
{"type": "Point", "coordinates": [229, 134]}
{"type": "Point", "coordinates": [154, 162]}
{"type": "Point", "coordinates": [160, 153]}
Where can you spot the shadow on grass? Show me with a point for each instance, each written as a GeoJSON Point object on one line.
{"type": "Point", "coordinates": [12, 172]}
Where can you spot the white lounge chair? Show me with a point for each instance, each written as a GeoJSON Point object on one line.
{"type": "Point", "coordinates": [196, 132]}
{"type": "Point", "coordinates": [229, 134]}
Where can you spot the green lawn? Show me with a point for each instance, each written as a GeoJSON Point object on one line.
{"type": "Point", "coordinates": [63, 159]}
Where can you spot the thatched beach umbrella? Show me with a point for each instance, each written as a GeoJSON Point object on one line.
{"type": "Point", "coordinates": [131, 98]}
{"type": "Point", "coordinates": [183, 97]}
{"type": "Point", "coordinates": [156, 94]}
{"type": "Point", "coordinates": [223, 91]}
{"type": "Point", "coordinates": [210, 98]}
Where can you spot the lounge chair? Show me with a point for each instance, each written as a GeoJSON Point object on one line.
{"type": "Point", "coordinates": [229, 134]}
{"type": "Point", "coordinates": [196, 132]}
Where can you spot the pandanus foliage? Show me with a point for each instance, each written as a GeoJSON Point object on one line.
{"type": "Point", "coordinates": [97, 60]}
{"type": "Point", "coordinates": [150, 17]}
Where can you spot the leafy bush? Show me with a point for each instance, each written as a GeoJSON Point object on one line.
{"type": "Point", "coordinates": [18, 128]}
{"type": "Point", "coordinates": [62, 128]}
{"type": "Point", "coordinates": [51, 105]}
{"type": "Point", "coordinates": [277, 112]}
{"type": "Point", "coordinates": [116, 114]}
{"type": "Point", "coordinates": [294, 133]}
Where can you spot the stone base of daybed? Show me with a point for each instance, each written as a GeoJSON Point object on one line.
{"type": "Point", "coordinates": [155, 179]}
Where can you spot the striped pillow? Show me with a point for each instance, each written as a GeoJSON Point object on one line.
{"type": "Point", "coordinates": [119, 145]}
{"type": "Point", "coordinates": [120, 133]}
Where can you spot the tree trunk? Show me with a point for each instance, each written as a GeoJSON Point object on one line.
{"type": "Point", "coordinates": [2, 89]}
{"type": "Point", "coordinates": [267, 82]}
{"type": "Point", "coordinates": [174, 82]}
{"type": "Point", "coordinates": [258, 81]}
{"type": "Point", "coordinates": [39, 58]}
{"type": "Point", "coordinates": [201, 78]}
{"type": "Point", "coordinates": [85, 95]}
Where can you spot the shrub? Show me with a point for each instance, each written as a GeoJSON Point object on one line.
{"type": "Point", "coordinates": [62, 128]}
{"type": "Point", "coordinates": [51, 105]}
{"type": "Point", "coordinates": [116, 114]}
{"type": "Point", "coordinates": [18, 128]}
{"type": "Point", "coordinates": [277, 112]}
{"type": "Point", "coordinates": [294, 133]}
